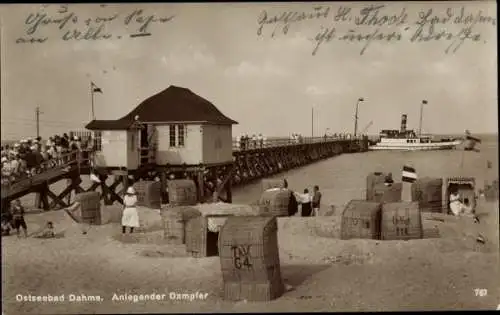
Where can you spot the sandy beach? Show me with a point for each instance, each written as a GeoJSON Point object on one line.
{"type": "Point", "coordinates": [439, 272]}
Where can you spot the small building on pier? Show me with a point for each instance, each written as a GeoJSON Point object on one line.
{"type": "Point", "coordinates": [172, 127]}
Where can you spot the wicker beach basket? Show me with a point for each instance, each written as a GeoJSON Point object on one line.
{"type": "Point", "coordinates": [372, 180]}
{"type": "Point", "coordinates": [428, 192]}
{"type": "Point", "coordinates": [249, 258]}
{"type": "Point", "coordinates": [383, 193]}
{"type": "Point", "coordinates": [202, 231]}
{"type": "Point", "coordinates": [275, 202]}
{"type": "Point", "coordinates": [401, 221]}
{"type": "Point", "coordinates": [182, 192]}
{"type": "Point", "coordinates": [492, 192]}
{"type": "Point", "coordinates": [90, 207]}
{"type": "Point", "coordinates": [148, 194]}
{"type": "Point", "coordinates": [173, 226]}
{"type": "Point", "coordinates": [361, 220]}
{"type": "Point", "coordinates": [272, 183]}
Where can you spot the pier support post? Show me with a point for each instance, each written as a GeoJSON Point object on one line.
{"type": "Point", "coordinates": [229, 185]}
{"type": "Point", "coordinates": [201, 186]}
{"type": "Point", "coordinates": [163, 180]}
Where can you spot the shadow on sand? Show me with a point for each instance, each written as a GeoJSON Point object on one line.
{"type": "Point", "coordinates": [296, 274]}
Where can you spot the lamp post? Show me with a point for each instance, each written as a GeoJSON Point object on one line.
{"type": "Point", "coordinates": [356, 115]}
{"type": "Point", "coordinates": [424, 102]}
{"type": "Point", "coordinates": [312, 122]}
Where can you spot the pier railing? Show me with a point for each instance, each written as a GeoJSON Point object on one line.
{"type": "Point", "coordinates": [238, 145]}
{"type": "Point", "coordinates": [73, 158]}
{"type": "Point", "coordinates": [251, 144]}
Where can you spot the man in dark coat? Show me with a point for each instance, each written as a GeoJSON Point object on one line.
{"type": "Point", "coordinates": [293, 205]}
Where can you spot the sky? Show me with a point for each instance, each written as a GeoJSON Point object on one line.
{"type": "Point", "coordinates": [270, 85]}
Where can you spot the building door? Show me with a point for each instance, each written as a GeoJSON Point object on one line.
{"type": "Point", "coordinates": [144, 137]}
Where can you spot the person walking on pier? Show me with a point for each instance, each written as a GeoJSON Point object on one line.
{"type": "Point", "coordinates": [254, 141]}
{"type": "Point", "coordinates": [316, 200]}
{"type": "Point", "coordinates": [18, 218]}
{"type": "Point", "coordinates": [261, 140]}
{"type": "Point", "coordinates": [130, 217]}
{"type": "Point", "coordinates": [241, 141]}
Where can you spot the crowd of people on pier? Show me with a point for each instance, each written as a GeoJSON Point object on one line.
{"type": "Point", "coordinates": [257, 141]}
{"type": "Point", "coordinates": [26, 157]}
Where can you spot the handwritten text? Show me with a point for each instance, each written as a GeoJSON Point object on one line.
{"type": "Point", "coordinates": [70, 26]}
{"type": "Point", "coordinates": [383, 24]}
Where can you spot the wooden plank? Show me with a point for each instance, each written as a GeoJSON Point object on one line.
{"type": "Point", "coordinates": [112, 191]}
{"type": "Point", "coordinates": [105, 190]}
{"type": "Point", "coordinates": [93, 187]}
{"type": "Point", "coordinates": [56, 200]}
{"type": "Point", "coordinates": [61, 196]}
{"type": "Point", "coordinates": [119, 172]}
{"type": "Point", "coordinates": [79, 189]}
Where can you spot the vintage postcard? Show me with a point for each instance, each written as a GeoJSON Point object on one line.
{"type": "Point", "coordinates": [249, 157]}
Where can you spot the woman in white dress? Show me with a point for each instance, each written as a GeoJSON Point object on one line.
{"type": "Point", "coordinates": [130, 217]}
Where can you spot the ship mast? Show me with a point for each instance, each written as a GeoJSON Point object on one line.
{"type": "Point", "coordinates": [421, 115]}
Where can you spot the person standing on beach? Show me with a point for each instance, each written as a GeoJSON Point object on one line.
{"type": "Point", "coordinates": [18, 218]}
{"type": "Point", "coordinates": [305, 201]}
{"type": "Point", "coordinates": [6, 222]}
{"type": "Point", "coordinates": [293, 206]}
{"type": "Point", "coordinates": [388, 180]}
{"type": "Point", "coordinates": [316, 200]}
{"type": "Point", "coordinates": [130, 217]}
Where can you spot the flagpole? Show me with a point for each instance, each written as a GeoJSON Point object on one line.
{"type": "Point", "coordinates": [462, 157]}
{"type": "Point", "coordinates": [2, 90]}
{"type": "Point", "coordinates": [92, 98]}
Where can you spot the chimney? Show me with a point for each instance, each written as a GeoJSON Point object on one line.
{"type": "Point", "coordinates": [403, 123]}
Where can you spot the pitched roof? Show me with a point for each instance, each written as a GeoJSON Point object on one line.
{"type": "Point", "coordinates": [172, 105]}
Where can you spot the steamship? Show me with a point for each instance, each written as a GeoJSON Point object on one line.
{"type": "Point", "coordinates": [408, 140]}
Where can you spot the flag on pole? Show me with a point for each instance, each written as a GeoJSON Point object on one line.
{"type": "Point", "coordinates": [409, 174]}
{"type": "Point", "coordinates": [95, 89]}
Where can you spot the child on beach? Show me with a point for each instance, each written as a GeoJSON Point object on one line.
{"type": "Point", "coordinates": [49, 231]}
{"type": "Point", "coordinates": [6, 222]}
{"type": "Point", "coordinates": [130, 217]}
{"type": "Point", "coordinates": [6, 227]}
{"type": "Point", "coordinates": [18, 217]}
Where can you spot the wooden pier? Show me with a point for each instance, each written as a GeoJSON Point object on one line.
{"type": "Point", "coordinates": [249, 164]}
{"type": "Point", "coordinates": [174, 134]}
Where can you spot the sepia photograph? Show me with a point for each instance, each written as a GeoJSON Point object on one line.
{"type": "Point", "coordinates": [246, 157]}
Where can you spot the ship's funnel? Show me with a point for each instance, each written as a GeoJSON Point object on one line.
{"type": "Point", "coordinates": [403, 123]}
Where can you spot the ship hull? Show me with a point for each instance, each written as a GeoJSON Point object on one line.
{"type": "Point", "coordinates": [415, 146]}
